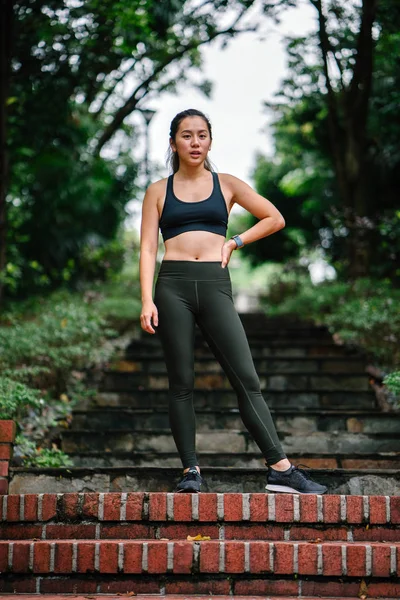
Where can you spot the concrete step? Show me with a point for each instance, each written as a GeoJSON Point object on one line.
{"type": "Point", "coordinates": [340, 400]}
{"type": "Point", "coordinates": [236, 561]}
{"type": "Point", "coordinates": [237, 441]}
{"type": "Point", "coordinates": [288, 421]}
{"type": "Point", "coordinates": [259, 347]}
{"type": "Point", "coordinates": [120, 381]}
{"type": "Point", "coordinates": [151, 363]}
{"type": "Point", "coordinates": [135, 515]}
{"type": "Point", "coordinates": [159, 479]}
{"type": "Point", "coordinates": [326, 460]}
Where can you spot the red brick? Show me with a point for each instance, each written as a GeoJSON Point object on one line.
{"type": "Point", "coordinates": [259, 557]}
{"type": "Point", "coordinates": [266, 587]}
{"type": "Point", "coordinates": [7, 431]}
{"type": "Point", "coordinates": [85, 558]}
{"type": "Point", "coordinates": [377, 510]}
{"type": "Point", "coordinates": [380, 561]}
{"type": "Point", "coordinates": [234, 557]}
{"type": "Point", "coordinates": [284, 508]}
{"type": "Point", "coordinates": [157, 557]}
{"type": "Point", "coordinates": [30, 507]}
{"type": "Point", "coordinates": [332, 559]}
{"type": "Point", "coordinates": [41, 557]}
{"type": "Point", "coordinates": [22, 585]}
{"type": "Point", "coordinates": [311, 534]}
{"type": "Point", "coordinates": [49, 507]}
{"type": "Point", "coordinates": [207, 507]}
{"type": "Point", "coordinates": [90, 506]}
{"type": "Point", "coordinates": [375, 534]}
{"type": "Point", "coordinates": [121, 586]}
{"type": "Point", "coordinates": [355, 561]}
{"type": "Point", "coordinates": [183, 557]}
{"type": "Point", "coordinates": [20, 531]}
{"type": "Point", "coordinates": [209, 587]}
{"type": "Point", "coordinates": [4, 468]}
{"type": "Point", "coordinates": [209, 557]}
{"type": "Point", "coordinates": [354, 509]}
{"type": "Point", "coordinates": [5, 451]}
{"type": "Point", "coordinates": [157, 506]}
{"type": "Point", "coordinates": [182, 507]}
{"type": "Point", "coordinates": [64, 585]}
{"type": "Point", "coordinates": [384, 589]}
{"type": "Point", "coordinates": [395, 509]}
{"type": "Point", "coordinates": [331, 509]}
{"type": "Point", "coordinates": [253, 532]}
{"type": "Point", "coordinates": [70, 505]}
{"type": "Point", "coordinates": [308, 559]}
{"type": "Point", "coordinates": [179, 531]}
{"type": "Point", "coordinates": [79, 531]}
{"type": "Point", "coordinates": [108, 557]}
{"type": "Point", "coordinates": [63, 557]}
{"type": "Point", "coordinates": [13, 501]}
{"type": "Point", "coordinates": [3, 557]}
{"type": "Point", "coordinates": [134, 506]}
{"type": "Point", "coordinates": [259, 507]}
{"type": "Point", "coordinates": [340, 589]}
{"type": "Point", "coordinates": [112, 507]}
{"type": "Point", "coordinates": [126, 531]}
{"type": "Point", "coordinates": [308, 508]}
{"type": "Point", "coordinates": [3, 486]}
{"type": "Point", "coordinates": [283, 558]}
{"type": "Point", "coordinates": [20, 563]}
{"type": "Point", "coordinates": [133, 558]}
{"type": "Point", "coordinates": [233, 508]}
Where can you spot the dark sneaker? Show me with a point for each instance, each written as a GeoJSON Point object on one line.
{"type": "Point", "coordinates": [191, 482]}
{"type": "Point", "coordinates": [293, 481]}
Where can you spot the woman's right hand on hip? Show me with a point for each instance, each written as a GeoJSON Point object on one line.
{"type": "Point", "coordinates": [149, 317]}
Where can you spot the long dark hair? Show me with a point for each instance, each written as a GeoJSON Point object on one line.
{"type": "Point", "coordinates": [173, 157]}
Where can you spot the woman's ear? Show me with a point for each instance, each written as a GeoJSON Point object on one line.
{"type": "Point", "coordinates": [172, 145]}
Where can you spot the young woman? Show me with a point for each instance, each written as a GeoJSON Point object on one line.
{"type": "Point", "coordinates": [191, 207]}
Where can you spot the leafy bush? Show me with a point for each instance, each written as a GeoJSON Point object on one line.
{"type": "Point", "coordinates": [33, 456]}
{"type": "Point", "coordinates": [17, 398]}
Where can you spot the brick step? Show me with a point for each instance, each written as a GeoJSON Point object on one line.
{"type": "Point", "coordinates": [151, 363]}
{"type": "Point", "coordinates": [351, 559]}
{"type": "Point", "coordinates": [217, 479]}
{"type": "Point", "coordinates": [246, 460]}
{"type": "Point", "coordinates": [215, 586]}
{"type": "Point", "coordinates": [279, 517]}
{"type": "Point", "coordinates": [289, 421]}
{"type": "Point", "coordinates": [161, 440]}
{"type": "Point", "coordinates": [126, 381]}
{"type": "Point", "coordinates": [151, 597]}
{"type": "Point", "coordinates": [339, 400]}
{"type": "Point", "coordinates": [264, 347]}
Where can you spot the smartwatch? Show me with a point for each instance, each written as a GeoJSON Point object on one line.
{"type": "Point", "coordinates": [238, 241]}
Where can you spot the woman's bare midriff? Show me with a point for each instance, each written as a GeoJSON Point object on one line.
{"type": "Point", "coordinates": [194, 245]}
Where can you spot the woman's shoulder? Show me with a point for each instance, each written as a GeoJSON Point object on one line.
{"type": "Point", "coordinates": [157, 187]}
{"type": "Point", "coordinates": [230, 180]}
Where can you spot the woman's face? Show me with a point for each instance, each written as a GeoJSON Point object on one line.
{"type": "Point", "coordinates": [192, 140]}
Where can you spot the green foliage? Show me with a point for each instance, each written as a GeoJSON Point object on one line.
{"type": "Point", "coordinates": [34, 456]}
{"type": "Point", "coordinates": [392, 382]}
{"type": "Point", "coordinates": [16, 398]}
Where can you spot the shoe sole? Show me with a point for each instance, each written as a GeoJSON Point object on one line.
{"type": "Point", "coordinates": [189, 490]}
{"type": "Point", "coordinates": [289, 490]}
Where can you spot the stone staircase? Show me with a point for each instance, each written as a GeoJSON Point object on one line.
{"type": "Point", "coordinates": [111, 524]}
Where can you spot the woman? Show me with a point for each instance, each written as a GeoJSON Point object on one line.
{"type": "Point", "coordinates": [191, 207]}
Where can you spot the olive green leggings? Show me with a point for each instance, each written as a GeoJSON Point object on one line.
{"type": "Point", "coordinates": [190, 292]}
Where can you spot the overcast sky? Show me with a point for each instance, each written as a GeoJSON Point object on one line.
{"type": "Point", "coordinates": [244, 74]}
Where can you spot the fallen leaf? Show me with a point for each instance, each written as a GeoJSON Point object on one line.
{"type": "Point", "coordinates": [164, 539]}
{"type": "Point", "coordinates": [363, 591]}
{"type": "Point", "coordinates": [316, 541]}
{"type": "Point", "coordinates": [198, 538]}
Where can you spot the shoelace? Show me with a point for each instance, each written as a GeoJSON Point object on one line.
{"type": "Point", "coordinates": [302, 471]}
{"type": "Point", "coordinates": [191, 474]}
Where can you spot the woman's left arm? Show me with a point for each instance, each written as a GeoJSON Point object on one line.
{"type": "Point", "coordinates": [270, 219]}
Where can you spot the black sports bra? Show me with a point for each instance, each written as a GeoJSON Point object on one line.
{"type": "Point", "coordinates": [178, 216]}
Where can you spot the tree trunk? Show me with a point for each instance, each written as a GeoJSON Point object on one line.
{"type": "Point", "coordinates": [6, 21]}
{"type": "Point", "coordinates": [347, 119]}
